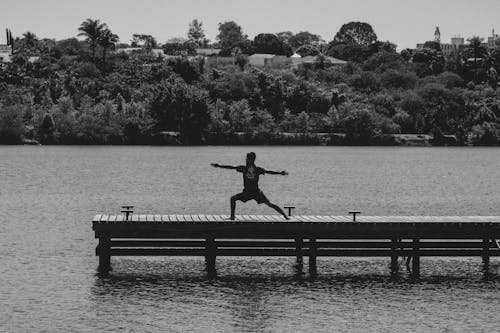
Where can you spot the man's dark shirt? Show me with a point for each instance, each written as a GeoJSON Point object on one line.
{"type": "Point", "coordinates": [250, 177]}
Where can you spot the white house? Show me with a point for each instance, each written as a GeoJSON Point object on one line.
{"type": "Point", "coordinates": [5, 53]}
{"type": "Point", "coordinates": [205, 52]}
{"type": "Point", "coordinates": [259, 59]}
{"type": "Point", "coordinates": [130, 50]}
{"type": "Point", "coordinates": [313, 59]}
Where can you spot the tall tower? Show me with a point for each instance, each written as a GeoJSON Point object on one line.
{"type": "Point", "coordinates": [437, 35]}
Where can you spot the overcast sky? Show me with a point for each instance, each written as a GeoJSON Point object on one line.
{"type": "Point", "coordinates": [402, 22]}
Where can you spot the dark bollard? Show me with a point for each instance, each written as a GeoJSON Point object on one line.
{"type": "Point", "coordinates": [354, 215]}
{"type": "Point", "coordinates": [128, 210]}
{"type": "Point", "coordinates": [290, 208]}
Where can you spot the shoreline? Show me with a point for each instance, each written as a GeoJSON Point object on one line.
{"type": "Point", "coordinates": [275, 139]}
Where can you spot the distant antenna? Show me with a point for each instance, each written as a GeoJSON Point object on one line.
{"type": "Point", "coordinates": [10, 40]}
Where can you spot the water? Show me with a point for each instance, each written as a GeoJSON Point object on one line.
{"type": "Point", "coordinates": [48, 196]}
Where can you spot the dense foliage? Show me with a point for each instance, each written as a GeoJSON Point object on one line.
{"type": "Point", "coordinates": [80, 92]}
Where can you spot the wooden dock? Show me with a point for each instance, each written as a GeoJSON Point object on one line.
{"type": "Point", "coordinates": [301, 236]}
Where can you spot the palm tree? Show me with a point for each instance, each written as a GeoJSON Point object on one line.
{"type": "Point", "coordinates": [92, 30]}
{"type": "Point", "coordinates": [106, 40]}
{"type": "Point", "coordinates": [30, 39]}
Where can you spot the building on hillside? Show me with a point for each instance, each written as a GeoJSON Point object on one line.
{"type": "Point", "coordinates": [314, 59]}
{"type": "Point", "coordinates": [205, 52]}
{"type": "Point", "coordinates": [335, 61]}
{"type": "Point", "coordinates": [268, 60]}
{"type": "Point", "coordinates": [129, 50]}
{"type": "Point", "coordinates": [437, 35]}
{"type": "Point", "coordinates": [6, 50]}
{"type": "Point", "coordinates": [493, 40]}
{"type": "Point", "coordinates": [260, 59]}
{"type": "Point", "coordinates": [457, 43]}
{"type": "Point", "coordinates": [5, 53]}
{"type": "Point", "coordinates": [280, 61]}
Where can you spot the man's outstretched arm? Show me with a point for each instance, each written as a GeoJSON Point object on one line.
{"type": "Point", "coordinates": [271, 172]}
{"type": "Point", "coordinates": [217, 165]}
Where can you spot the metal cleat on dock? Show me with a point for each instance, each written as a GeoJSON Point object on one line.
{"type": "Point", "coordinates": [128, 210]}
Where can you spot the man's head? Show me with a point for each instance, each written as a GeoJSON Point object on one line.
{"type": "Point", "coordinates": [251, 158]}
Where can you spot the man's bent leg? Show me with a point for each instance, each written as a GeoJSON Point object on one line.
{"type": "Point", "coordinates": [233, 206]}
{"type": "Point", "coordinates": [239, 196]}
{"type": "Point", "coordinates": [278, 209]}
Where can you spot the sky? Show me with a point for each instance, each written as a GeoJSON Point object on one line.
{"type": "Point", "coordinates": [403, 22]}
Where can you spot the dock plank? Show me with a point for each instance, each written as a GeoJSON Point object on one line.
{"type": "Point", "coordinates": [203, 218]}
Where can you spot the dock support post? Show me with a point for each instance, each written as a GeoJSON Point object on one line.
{"type": "Point", "coordinates": [312, 257]}
{"type": "Point", "coordinates": [394, 257]}
{"type": "Point", "coordinates": [416, 258]}
{"type": "Point", "coordinates": [104, 253]}
{"type": "Point", "coordinates": [486, 255]}
{"type": "Point", "coordinates": [298, 250]}
{"type": "Point", "coordinates": [210, 256]}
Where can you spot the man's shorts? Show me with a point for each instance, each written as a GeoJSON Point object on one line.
{"type": "Point", "coordinates": [252, 195]}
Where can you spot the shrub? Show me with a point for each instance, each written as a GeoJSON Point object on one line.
{"type": "Point", "coordinates": [384, 104]}
{"type": "Point", "coordinates": [359, 127]}
{"type": "Point", "coordinates": [486, 134]}
{"type": "Point", "coordinates": [185, 69]}
{"type": "Point", "coordinates": [451, 80]}
{"type": "Point", "coordinates": [399, 79]}
{"type": "Point", "coordinates": [365, 81]}
{"type": "Point", "coordinates": [404, 121]}
{"type": "Point", "coordinates": [241, 116]}
{"type": "Point", "coordinates": [11, 124]}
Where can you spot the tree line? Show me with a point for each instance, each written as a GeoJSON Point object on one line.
{"type": "Point", "coordinates": [79, 92]}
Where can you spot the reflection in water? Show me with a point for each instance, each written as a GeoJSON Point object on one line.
{"type": "Point", "coordinates": [254, 295]}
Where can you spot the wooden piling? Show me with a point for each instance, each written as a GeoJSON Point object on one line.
{"type": "Point", "coordinates": [210, 257]}
{"type": "Point", "coordinates": [394, 256]}
{"type": "Point", "coordinates": [486, 253]}
{"type": "Point", "coordinates": [312, 256]}
{"type": "Point", "coordinates": [104, 253]}
{"type": "Point", "coordinates": [416, 258]}
{"type": "Point", "coordinates": [298, 250]}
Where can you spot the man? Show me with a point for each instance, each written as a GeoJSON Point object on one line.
{"type": "Point", "coordinates": [251, 190]}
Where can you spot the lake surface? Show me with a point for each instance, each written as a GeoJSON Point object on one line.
{"type": "Point", "coordinates": [48, 281]}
